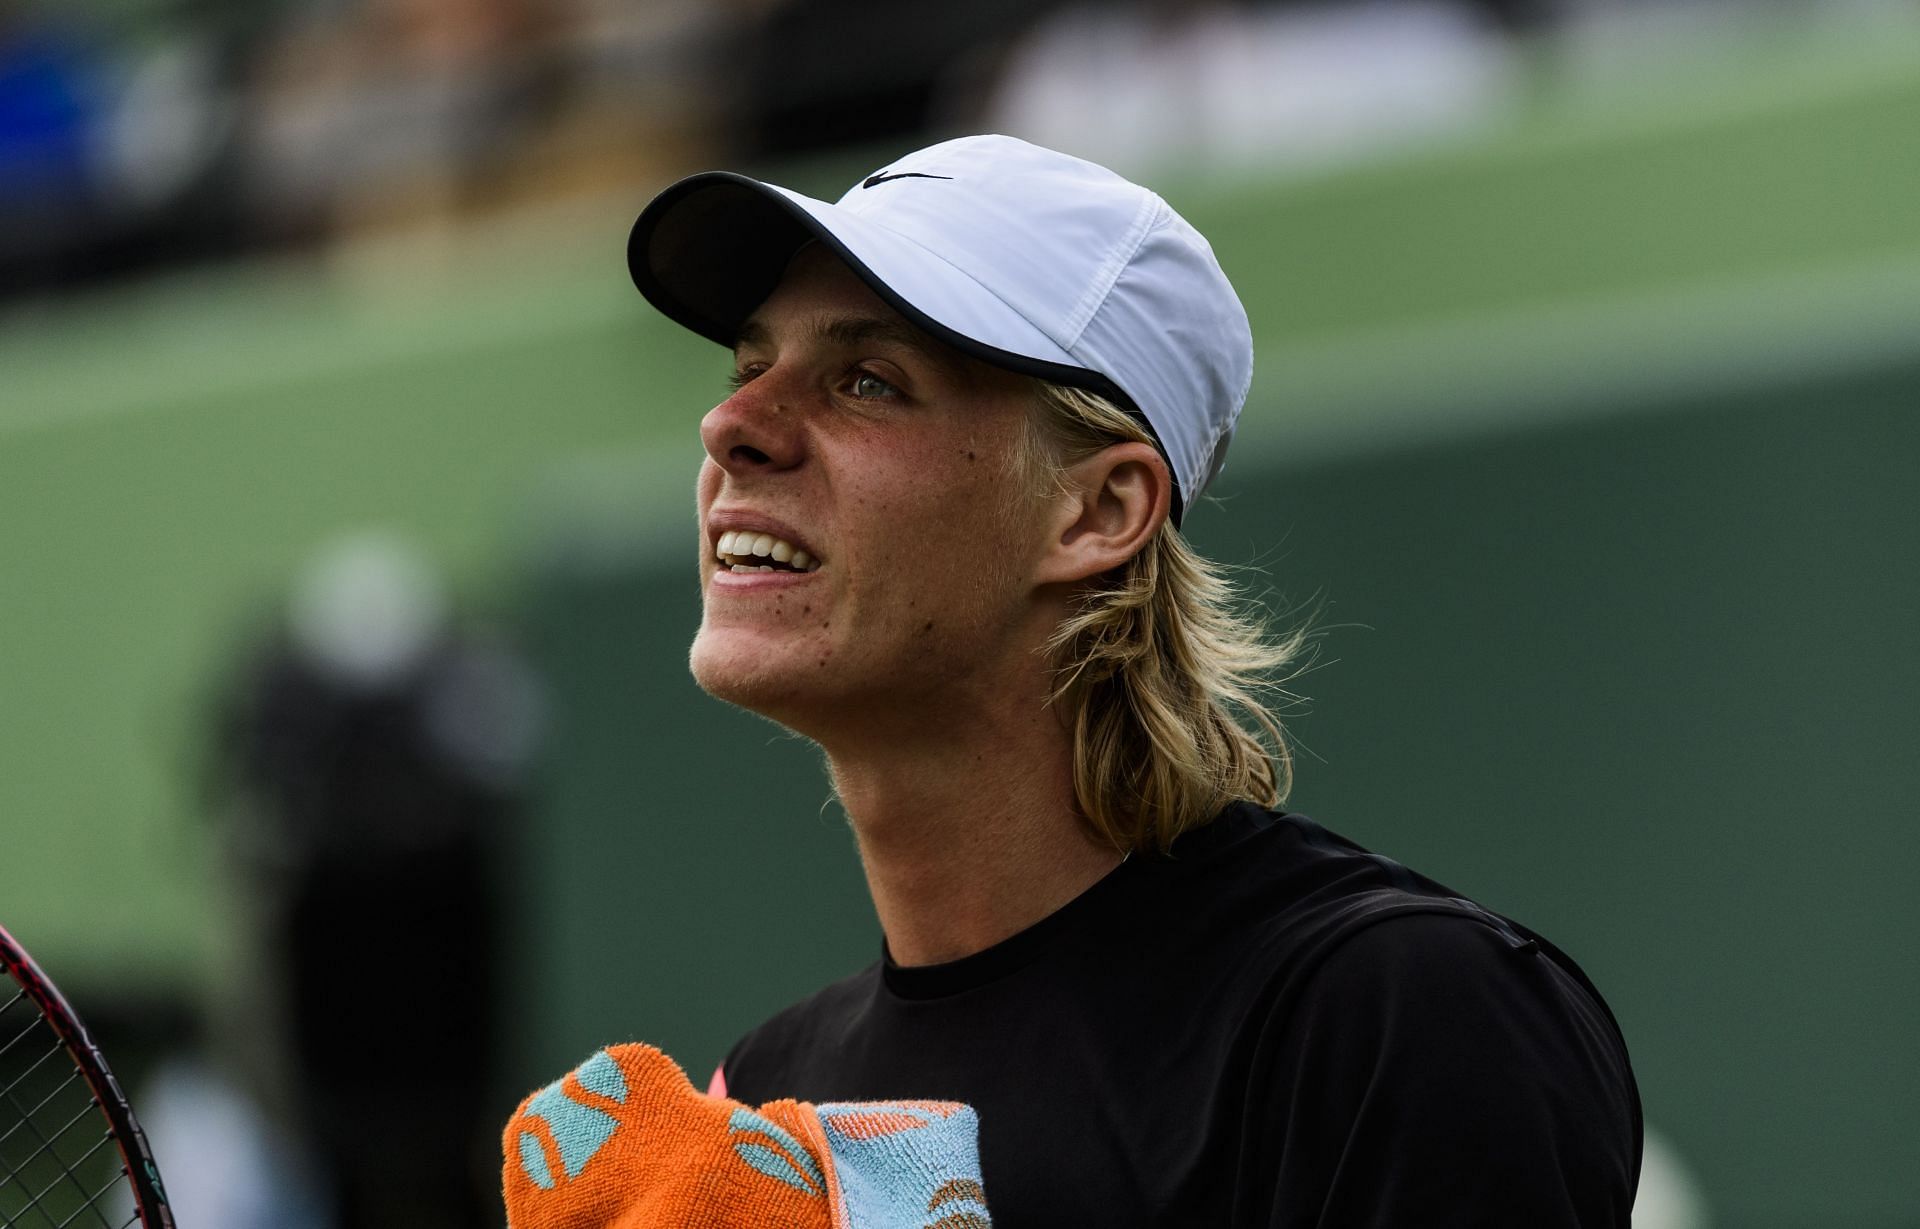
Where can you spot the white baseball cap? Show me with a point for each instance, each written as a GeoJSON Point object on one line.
{"type": "Point", "coordinates": [1025, 258]}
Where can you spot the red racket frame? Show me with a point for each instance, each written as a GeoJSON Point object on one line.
{"type": "Point", "coordinates": [136, 1158]}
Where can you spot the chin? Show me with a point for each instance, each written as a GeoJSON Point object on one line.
{"type": "Point", "coordinates": [775, 685]}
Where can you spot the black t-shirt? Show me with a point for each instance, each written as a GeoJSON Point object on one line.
{"type": "Point", "coordinates": [1270, 1027]}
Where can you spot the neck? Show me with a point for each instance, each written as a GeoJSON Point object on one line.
{"type": "Point", "coordinates": [968, 834]}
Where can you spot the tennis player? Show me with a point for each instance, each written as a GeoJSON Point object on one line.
{"type": "Point", "coordinates": [940, 536]}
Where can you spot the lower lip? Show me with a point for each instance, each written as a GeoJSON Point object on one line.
{"type": "Point", "coordinates": [724, 579]}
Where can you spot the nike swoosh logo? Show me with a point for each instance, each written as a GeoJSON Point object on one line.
{"type": "Point", "coordinates": [883, 177]}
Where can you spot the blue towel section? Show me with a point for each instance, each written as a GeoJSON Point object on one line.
{"type": "Point", "coordinates": [533, 1159]}
{"type": "Point", "coordinates": [788, 1169]}
{"type": "Point", "coordinates": [602, 1075]}
{"type": "Point", "coordinates": [774, 1165]}
{"type": "Point", "coordinates": [578, 1129]}
{"type": "Point", "coordinates": [912, 1175]}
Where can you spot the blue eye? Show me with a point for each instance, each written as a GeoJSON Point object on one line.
{"type": "Point", "coordinates": [867, 385]}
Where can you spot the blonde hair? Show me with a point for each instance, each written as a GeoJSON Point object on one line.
{"type": "Point", "coordinates": [1154, 662]}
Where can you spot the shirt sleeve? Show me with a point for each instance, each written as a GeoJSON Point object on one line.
{"type": "Point", "coordinates": [1436, 1071]}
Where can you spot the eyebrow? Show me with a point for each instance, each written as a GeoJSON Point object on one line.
{"type": "Point", "coordinates": [858, 330]}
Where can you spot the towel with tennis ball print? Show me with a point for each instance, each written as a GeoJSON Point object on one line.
{"type": "Point", "coordinates": [625, 1142]}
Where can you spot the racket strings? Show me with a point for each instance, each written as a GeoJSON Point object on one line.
{"type": "Point", "coordinates": [28, 1121]}
{"type": "Point", "coordinates": [55, 1173]}
{"type": "Point", "coordinates": [34, 1022]}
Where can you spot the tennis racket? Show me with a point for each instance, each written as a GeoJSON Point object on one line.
{"type": "Point", "coordinates": [71, 1153]}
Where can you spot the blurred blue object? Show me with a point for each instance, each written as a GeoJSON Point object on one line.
{"type": "Point", "coordinates": [46, 116]}
{"type": "Point", "coordinates": [49, 117]}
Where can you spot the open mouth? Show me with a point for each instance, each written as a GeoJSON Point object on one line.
{"type": "Point", "coordinates": [748, 551]}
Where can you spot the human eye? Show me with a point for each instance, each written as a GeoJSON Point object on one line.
{"type": "Point", "coordinates": [868, 386]}
{"type": "Point", "coordinates": [741, 376]}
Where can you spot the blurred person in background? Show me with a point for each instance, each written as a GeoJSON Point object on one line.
{"type": "Point", "coordinates": [372, 768]}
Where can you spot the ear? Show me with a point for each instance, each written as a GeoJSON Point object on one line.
{"type": "Point", "coordinates": [1115, 501]}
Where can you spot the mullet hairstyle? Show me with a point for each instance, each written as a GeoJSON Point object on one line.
{"type": "Point", "coordinates": [1154, 662]}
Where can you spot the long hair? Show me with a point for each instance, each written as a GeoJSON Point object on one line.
{"type": "Point", "coordinates": [1166, 679]}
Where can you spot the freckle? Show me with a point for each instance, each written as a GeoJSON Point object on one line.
{"type": "Point", "coordinates": [823, 662]}
{"type": "Point", "coordinates": [806, 610]}
{"type": "Point", "coordinates": [969, 455]}
{"type": "Point", "coordinates": [928, 627]}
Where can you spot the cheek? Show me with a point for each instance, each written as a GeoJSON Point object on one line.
{"type": "Point", "coordinates": [946, 521]}
{"type": "Point", "coordinates": [951, 475]}
{"type": "Point", "coordinates": [926, 505]}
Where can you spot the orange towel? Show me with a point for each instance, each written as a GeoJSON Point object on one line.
{"type": "Point", "coordinates": [626, 1142]}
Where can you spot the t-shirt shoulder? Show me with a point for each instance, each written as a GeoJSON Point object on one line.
{"type": "Point", "coordinates": [1440, 959]}
{"type": "Point", "coordinates": [1437, 1057]}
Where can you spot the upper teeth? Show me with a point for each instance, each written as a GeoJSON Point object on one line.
{"type": "Point", "coordinates": [738, 548]}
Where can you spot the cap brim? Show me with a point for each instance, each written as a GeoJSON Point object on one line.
{"type": "Point", "coordinates": [710, 249]}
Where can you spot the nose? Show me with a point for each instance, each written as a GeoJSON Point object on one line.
{"type": "Point", "coordinates": [756, 430]}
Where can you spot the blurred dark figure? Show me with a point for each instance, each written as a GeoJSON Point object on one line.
{"type": "Point", "coordinates": [373, 763]}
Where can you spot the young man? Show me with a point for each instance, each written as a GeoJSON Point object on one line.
{"type": "Point", "coordinates": [938, 536]}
